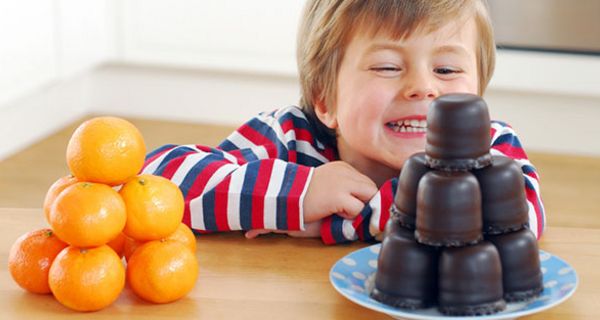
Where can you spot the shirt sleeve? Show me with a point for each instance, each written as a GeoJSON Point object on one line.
{"type": "Point", "coordinates": [251, 181]}
{"type": "Point", "coordinates": [372, 219]}
{"type": "Point", "coordinates": [506, 143]}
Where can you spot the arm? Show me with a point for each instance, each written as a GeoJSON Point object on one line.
{"type": "Point", "coordinates": [505, 142]}
{"type": "Point", "coordinates": [250, 181]}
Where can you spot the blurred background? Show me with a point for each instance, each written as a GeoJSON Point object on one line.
{"type": "Point", "coordinates": [190, 71]}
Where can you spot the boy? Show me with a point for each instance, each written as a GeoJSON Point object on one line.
{"type": "Point", "coordinates": [368, 72]}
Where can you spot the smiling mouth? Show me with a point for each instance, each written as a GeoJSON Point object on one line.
{"type": "Point", "coordinates": [408, 125]}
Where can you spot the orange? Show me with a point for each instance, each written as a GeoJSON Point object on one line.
{"type": "Point", "coordinates": [88, 214]}
{"type": "Point", "coordinates": [30, 258]}
{"type": "Point", "coordinates": [106, 150]}
{"type": "Point", "coordinates": [55, 189]}
{"type": "Point", "coordinates": [87, 279]}
{"type": "Point", "coordinates": [118, 244]}
{"type": "Point", "coordinates": [130, 246]}
{"type": "Point", "coordinates": [154, 207]}
{"type": "Point", "coordinates": [184, 235]}
{"type": "Point", "coordinates": [162, 271]}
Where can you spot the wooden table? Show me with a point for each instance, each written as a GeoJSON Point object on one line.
{"type": "Point", "coordinates": [274, 277]}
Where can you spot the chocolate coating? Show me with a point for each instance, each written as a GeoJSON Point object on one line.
{"type": "Point", "coordinates": [406, 274]}
{"type": "Point", "coordinates": [458, 133]}
{"type": "Point", "coordinates": [522, 273]}
{"type": "Point", "coordinates": [470, 280]}
{"type": "Point", "coordinates": [448, 209]}
{"type": "Point", "coordinates": [405, 201]}
{"type": "Point", "coordinates": [503, 198]}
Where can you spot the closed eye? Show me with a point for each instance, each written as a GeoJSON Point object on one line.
{"type": "Point", "coordinates": [446, 70]}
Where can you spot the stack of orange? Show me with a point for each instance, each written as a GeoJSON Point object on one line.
{"type": "Point", "coordinates": [79, 260]}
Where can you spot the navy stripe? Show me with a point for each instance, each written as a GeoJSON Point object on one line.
{"type": "Point", "coordinates": [336, 229]}
{"type": "Point", "coordinates": [246, 194]}
{"type": "Point", "coordinates": [248, 155]}
{"type": "Point", "coordinates": [159, 150]}
{"type": "Point", "coordinates": [306, 160]}
{"type": "Point", "coordinates": [267, 132]}
{"type": "Point", "coordinates": [193, 173]}
{"type": "Point", "coordinates": [299, 122]}
{"type": "Point", "coordinates": [227, 145]}
{"type": "Point", "coordinates": [175, 153]}
{"type": "Point", "coordinates": [366, 213]}
{"type": "Point", "coordinates": [208, 206]}
{"type": "Point", "coordinates": [286, 186]}
{"type": "Point", "coordinates": [507, 138]}
{"type": "Point", "coordinates": [528, 169]}
{"type": "Point", "coordinates": [394, 187]}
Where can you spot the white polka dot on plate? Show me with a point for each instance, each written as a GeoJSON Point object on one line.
{"type": "Point", "coordinates": [373, 264]}
{"type": "Point", "coordinates": [567, 287]}
{"type": "Point", "coordinates": [357, 288]}
{"type": "Point", "coordinates": [349, 261]}
{"type": "Point", "coordinates": [375, 249]}
{"type": "Point", "coordinates": [564, 271]}
{"type": "Point", "coordinates": [550, 284]}
{"type": "Point", "coordinates": [545, 256]}
{"type": "Point", "coordinates": [359, 275]}
{"type": "Point", "coordinates": [338, 275]}
{"type": "Point", "coordinates": [544, 270]}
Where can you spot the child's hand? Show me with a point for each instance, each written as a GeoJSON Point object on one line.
{"type": "Point", "coordinates": [311, 230]}
{"type": "Point", "coordinates": [337, 188]}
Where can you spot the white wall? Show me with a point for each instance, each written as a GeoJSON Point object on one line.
{"type": "Point", "coordinates": [223, 61]}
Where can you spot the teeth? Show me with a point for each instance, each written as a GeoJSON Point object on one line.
{"type": "Point", "coordinates": [412, 125]}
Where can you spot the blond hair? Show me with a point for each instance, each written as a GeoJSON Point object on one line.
{"type": "Point", "coordinates": [328, 25]}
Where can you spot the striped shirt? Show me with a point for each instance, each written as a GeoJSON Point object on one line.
{"type": "Point", "coordinates": [257, 179]}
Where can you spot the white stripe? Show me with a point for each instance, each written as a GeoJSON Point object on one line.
{"type": "Point", "coordinates": [308, 149]}
{"type": "Point", "coordinates": [152, 166]}
{"type": "Point", "coordinates": [188, 163]}
{"type": "Point", "coordinates": [274, 125]}
{"type": "Point", "coordinates": [197, 213]}
{"type": "Point", "coordinates": [348, 230]}
{"type": "Point", "coordinates": [219, 175]}
{"type": "Point", "coordinates": [240, 141]}
{"type": "Point", "coordinates": [233, 198]}
{"type": "Point", "coordinates": [375, 204]}
{"type": "Point", "coordinates": [310, 173]}
{"type": "Point", "coordinates": [533, 222]}
{"type": "Point", "coordinates": [270, 204]}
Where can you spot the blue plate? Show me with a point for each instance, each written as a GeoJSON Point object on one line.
{"type": "Point", "coordinates": [352, 274]}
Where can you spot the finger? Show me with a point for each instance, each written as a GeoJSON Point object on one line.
{"type": "Point", "coordinates": [351, 208]}
{"type": "Point", "coordinates": [251, 234]}
{"type": "Point", "coordinates": [363, 191]}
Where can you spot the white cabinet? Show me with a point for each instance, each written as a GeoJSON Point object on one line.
{"type": "Point", "coordinates": [240, 35]}
{"type": "Point", "coordinates": [42, 41]}
{"type": "Point", "coordinates": [27, 45]}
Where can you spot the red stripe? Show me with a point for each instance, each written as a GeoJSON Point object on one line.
{"type": "Point", "coordinates": [287, 125]}
{"type": "Point", "coordinates": [386, 203]}
{"type": "Point", "coordinates": [358, 225]}
{"type": "Point", "coordinates": [293, 156]}
{"type": "Point", "coordinates": [258, 194]}
{"type": "Point", "coordinates": [492, 132]}
{"type": "Point", "coordinates": [293, 198]}
{"type": "Point", "coordinates": [174, 165]}
{"type": "Point", "coordinates": [221, 198]}
{"type": "Point", "coordinates": [303, 134]}
{"type": "Point", "coordinates": [533, 198]}
{"type": "Point", "coordinates": [258, 139]}
{"type": "Point", "coordinates": [201, 180]}
{"type": "Point", "coordinates": [510, 151]}
{"type": "Point", "coordinates": [154, 157]}
{"type": "Point", "coordinates": [186, 214]}
{"type": "Point", "coordinates": [326, 234]}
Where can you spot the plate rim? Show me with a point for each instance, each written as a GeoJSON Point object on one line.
{"type": "Point", "coordinates": [399, 313]}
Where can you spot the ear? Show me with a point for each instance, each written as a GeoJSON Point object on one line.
{"type": "Point", "coordinates": [327, 117]}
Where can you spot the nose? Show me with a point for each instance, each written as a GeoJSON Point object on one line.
{"type": "Point", "coordinates": [419, 86]}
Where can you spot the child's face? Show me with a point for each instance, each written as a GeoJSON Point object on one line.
{"type": "Point", "coordinates": [383, 83]}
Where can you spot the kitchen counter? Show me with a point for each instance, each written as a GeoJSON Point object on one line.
{"type": "Point", "coordinates": [274, 277]}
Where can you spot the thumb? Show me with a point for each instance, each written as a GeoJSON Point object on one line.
{"type": "Point", "coordinates": [351, 208]}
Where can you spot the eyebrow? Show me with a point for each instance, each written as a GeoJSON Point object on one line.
{"type": "Point", "coordinates": [455, 49]}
